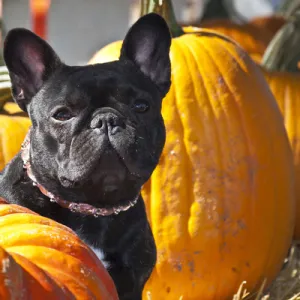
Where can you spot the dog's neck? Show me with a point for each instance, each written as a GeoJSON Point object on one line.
{"type": "Point", "coordinates": [82, 208]}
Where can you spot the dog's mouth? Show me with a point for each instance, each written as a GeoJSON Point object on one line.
{"type": "Point", "coordinates": [105, 177]}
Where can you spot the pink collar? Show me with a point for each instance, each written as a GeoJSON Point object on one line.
{"type": "Point", "coordinates": [82, 208]}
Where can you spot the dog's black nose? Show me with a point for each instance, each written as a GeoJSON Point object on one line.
{"type": "Point", "coordinates": [108, 123]}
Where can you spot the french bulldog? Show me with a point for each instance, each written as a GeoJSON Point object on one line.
{"type": "Point", "coordinates": [97, 135]}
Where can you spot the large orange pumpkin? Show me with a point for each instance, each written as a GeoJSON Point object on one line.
{"type": "Point", "coordinates": [42, 259]}
{"type": "Point", "coordinates": [221, 201]}
{"type": "Point", "coordinates": [13, 128]}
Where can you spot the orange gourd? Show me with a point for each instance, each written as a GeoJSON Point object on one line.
{"type": "Point", "coordinates": [42, 259]}
{"type": "Point", "coordinates": [221, 200]}
{"type": "Point", "coordinates": [13, 127]}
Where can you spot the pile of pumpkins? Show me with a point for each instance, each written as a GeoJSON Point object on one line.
{"type": "Point", "coordinates": [224, 201]}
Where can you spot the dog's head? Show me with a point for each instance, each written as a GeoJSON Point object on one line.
{"type": "Point", "coordinates": [97, 130]}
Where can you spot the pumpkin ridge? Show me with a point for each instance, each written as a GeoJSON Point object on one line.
{"type": "Point", "coordinates": [40, 262]}
{"type": "Point", "coordinates": [44, 267]}
{"type": "Point", "coordinates": [201, 118]}
{"type": "Point", "coordinates": [56, 272]}
{"type": "Point", "coordinates": [46, 281]}
{"type": "Point", "coordinates": [184, 152]}
{"type": "Point", "coordinates": [26, 218]}
{"type": "Point", "coordinates": [268, 256]}
{"type": "Point", "coordinates": [189, 166]}
{"type": "Point", "coordinates": [82, 249]}
{"type": "Point", "coordinates": [212, 119]}
{"type": "Point", "coordinates": [275, 211]}
{"type": "Point", "coordinates": [221, 133]}
{"type": "Point", "coordinates": [241, 121]}
{"type": "Point", "coordinates": [163, 186]}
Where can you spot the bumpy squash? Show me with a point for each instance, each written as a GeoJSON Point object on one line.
{"type": "Point", "coordinates": [13, 128]}
{"type": "Point", "coordinates": [221, 201]}
{"type": "Point", "coordinates": [42, 259]}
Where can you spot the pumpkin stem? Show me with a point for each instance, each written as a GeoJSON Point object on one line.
{"type": "Point", "coordinates": [165, 9]}
{"type": "Point", "coordinates": [283, 53]}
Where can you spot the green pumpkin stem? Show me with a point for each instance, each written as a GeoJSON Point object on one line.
{"type": "Point", "coordinates": [283, 52]}
{"type": "Point", "coordinates": [165, 9]}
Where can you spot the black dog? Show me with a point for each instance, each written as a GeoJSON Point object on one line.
{"type": "Point", "coordinates": [97, 135]}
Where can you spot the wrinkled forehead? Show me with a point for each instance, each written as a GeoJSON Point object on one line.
{"type": "Point", "coordinates": [98, 84]}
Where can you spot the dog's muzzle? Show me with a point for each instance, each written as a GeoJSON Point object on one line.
{"type": "Point", "coordinates": [82, 208]}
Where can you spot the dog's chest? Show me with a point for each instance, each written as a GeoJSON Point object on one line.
{"type": "Point", "coordinates": [101, 256]}
{"type": "Point", "coordinates": [98, 251]}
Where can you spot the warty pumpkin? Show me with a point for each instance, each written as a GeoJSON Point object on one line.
{"type": "Point", "coordinates": [221, 200]}
{"type": "Point", "coordinates": [42, 259]}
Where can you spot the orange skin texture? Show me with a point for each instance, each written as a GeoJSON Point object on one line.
{"type": "Point", "coordinates": [252, 38]}
{"type": "Point", "coordinates": [13, 127]}
{"type": "Point", "coordinates": [221, 202]}
{"type": "Point", "coordinates": [42, 259]}
{"type": "Point", "coordinates": [285, 87]}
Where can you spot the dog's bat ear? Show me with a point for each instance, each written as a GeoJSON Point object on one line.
{"type": "Point", "coordinates": [147, 45]}
{"type": "Point", "coordinates": [30, 61]}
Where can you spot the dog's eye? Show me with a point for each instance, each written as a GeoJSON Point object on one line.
{"type": "Point", "coordinates": [63, 114]}
{"type": "Point", "coordinates": [140, 106]}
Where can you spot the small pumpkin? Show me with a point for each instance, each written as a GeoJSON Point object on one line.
{"type": "Point", "coordinates": [14, 125]}
{"type": "Point", "coordinates": [221, 200]}
{"type": "Point", "coordinates": [42, 259]}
